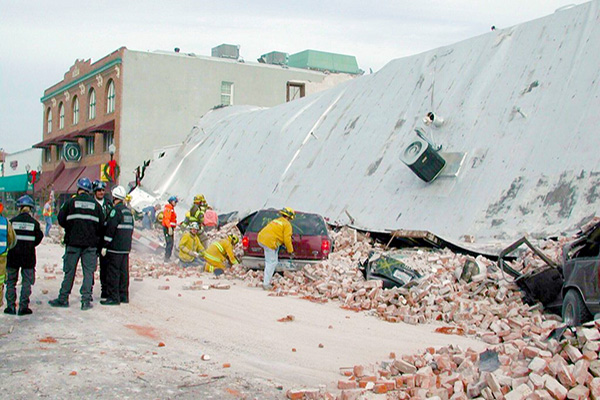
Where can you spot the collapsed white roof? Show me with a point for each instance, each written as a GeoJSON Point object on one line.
{"type": "Point", "coordinates": [520, 103]}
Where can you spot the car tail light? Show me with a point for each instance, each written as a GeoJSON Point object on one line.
{"type": "Point", "coordinates": [325, 246]}
{"type": "Point", "coordinates": [245, 243]}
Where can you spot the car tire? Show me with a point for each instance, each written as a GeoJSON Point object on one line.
{"type": "Point", "coordinates": [574, 311]}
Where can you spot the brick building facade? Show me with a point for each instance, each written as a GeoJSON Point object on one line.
{"type": "Point", "coordinates": [140, 101]}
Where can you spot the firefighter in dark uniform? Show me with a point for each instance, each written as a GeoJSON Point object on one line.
{"type": "Point", "coordinates": [22, 257]}
{"type": "Point", "coordinates": [116, 248]}
{"type": "Point", "coordinates": [82, 219]}
{"type": "Point", "coordinates": [99, 189]}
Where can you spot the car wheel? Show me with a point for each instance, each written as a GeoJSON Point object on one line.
{"type": "Point", "coordinates": [574, 311]}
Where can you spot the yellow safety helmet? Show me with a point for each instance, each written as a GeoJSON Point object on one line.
{"type": "Point", "coordinates": [288, 212]}
{"type": "Point", "coordinates": [199, 198]}
{"type": "Point", "coordinates": [234, 239]}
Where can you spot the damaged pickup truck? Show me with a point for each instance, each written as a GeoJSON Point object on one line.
{"type": "Point", "coordinates": [572, 288]}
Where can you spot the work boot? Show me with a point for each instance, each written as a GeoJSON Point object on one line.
{"type": "Point", "coordinates": [109, 302]}
{"type": "Point", "coordinates": [25, 311]}
{"type": "Point", "coordinates": [267, 287]}
{"type": "Point", "coordinates": [86, 305]}
{"type": "Point", "coordinates": [59, 303]}
{"type": "Point", "coordinates": [10, 310]}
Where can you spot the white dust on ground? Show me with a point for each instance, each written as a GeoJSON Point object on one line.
{"type": "Point", "coordinates": [237, 326]}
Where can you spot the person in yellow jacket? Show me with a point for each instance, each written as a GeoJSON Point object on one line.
{"type": "Point", "coordinates": [219, 251]}
{"type": "Point", "coordinates": [190, 247]}
{"type": "Point", "coordinates": [273, 235]}
{"type": "Point", "coordinates": [8, 240]}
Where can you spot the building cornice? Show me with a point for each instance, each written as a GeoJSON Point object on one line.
{"type": "Point", "coordinates": [83, 78]}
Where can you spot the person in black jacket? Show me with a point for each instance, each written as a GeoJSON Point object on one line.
{"type": "Point", "coordinates": [116, 248]}
{"type": "Point", "coordinates": [82, 219]}
{"type": "Point", "coordinates": [22, 256]}
{"type": "Point", "coordinates": [99, 189]}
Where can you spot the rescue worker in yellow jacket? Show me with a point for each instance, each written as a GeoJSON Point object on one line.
{"type": "Point", "coordinates": [273, 235]}
{"type": "Point", "coordinates": [8, 240]}
{"type": "Point", "coordinates": [219, 252]}
{"type": "Point", "coordinates": [196, 214]}
{"type": "Point", "coordinates": [190, 247]}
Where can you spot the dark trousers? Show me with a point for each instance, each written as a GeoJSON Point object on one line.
{"type": "Point", "coordinates": [27, 281]}
{"type": "Point", "coordinates": [117, 278]}
{"type": "Point", "coordinates": [103, 261]}
{"type": "Point", "coordinates": [169, 240]}
{"type": "Point", "coordinates": [88, 257]}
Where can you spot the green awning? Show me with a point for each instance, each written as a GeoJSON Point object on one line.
{"type": "Point", "coordinates": [14, 183]}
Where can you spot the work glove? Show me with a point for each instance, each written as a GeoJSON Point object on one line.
{"type": "Point", "coordinates": [170, 230]}
{"type": "Point", "coordinates": [103, 252]}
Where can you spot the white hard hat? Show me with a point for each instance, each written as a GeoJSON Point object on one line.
{"type": "Point", "coordinates": [119, 192]}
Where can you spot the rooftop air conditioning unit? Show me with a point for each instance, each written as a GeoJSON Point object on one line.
{"type": "Point", "coordinates": [231, 51]}
{"type": "Point", "coordinates": [423, 160]}
{"type": "Point", "coordinates": [275, 58]}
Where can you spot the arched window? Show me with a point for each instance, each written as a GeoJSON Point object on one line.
{"type": "Point", "coordinates": [61, 116]}
{"type": "Point", "coordinates": [92, 104]}
{"type": "Point", "coordinates": [75, 110]}
{"type": "Point", "coordinates": [110, 97]}
{"type": "Point", "coordinates": [49, 120]}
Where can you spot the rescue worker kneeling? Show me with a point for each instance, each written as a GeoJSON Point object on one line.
{"type": "Point", "coordinates": [219, 252]}
{"type": "Point", "coordinates": [190, 247]}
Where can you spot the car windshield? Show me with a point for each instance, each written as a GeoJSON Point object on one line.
{"type": "Point", "coordinates": [303, 224]}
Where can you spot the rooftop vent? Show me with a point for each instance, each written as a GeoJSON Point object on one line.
{"type": "Point", "coordinates": [231, 51]}
{"type": "Point", "coordinates": [275, 58]}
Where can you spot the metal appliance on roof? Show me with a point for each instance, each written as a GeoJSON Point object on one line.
{"type": "Point", "coordinates": [423, 159]}
{"type": "Point", "coordinates": [275, 58]}
{"type": "Point", "coordinates": [231, 51]}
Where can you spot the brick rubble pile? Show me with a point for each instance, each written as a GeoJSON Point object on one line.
{"type": "Point", "coordinates": [528, 368]}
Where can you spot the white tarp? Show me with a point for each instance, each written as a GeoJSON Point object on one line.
{"type": "Point", "coordinates": [522, 103]}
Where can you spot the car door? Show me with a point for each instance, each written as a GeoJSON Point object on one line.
{"type": "Point", "coordinates": [585, 276]}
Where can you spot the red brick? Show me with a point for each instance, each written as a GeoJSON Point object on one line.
{"type": "Point", "coordinates": [295, 394]}
{"type": "Point", "coordinates": [359, 371]}
{"type": "Point", "coordinates": [380, 388]}
{"type": "Point", "coordinates": [346, 385]}
{"type": "Point", "coordinates": [391, 385]}
{"type": "Point", "coordinates": [554, 387]}
{"type": "Point", "coordinates": [579, 392]}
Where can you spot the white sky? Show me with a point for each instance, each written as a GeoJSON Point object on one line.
{"type": "Point", "coordinates": [42, 39]}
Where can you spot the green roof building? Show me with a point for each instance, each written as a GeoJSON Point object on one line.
{"type": "Point", "coordinates": [323, 61]}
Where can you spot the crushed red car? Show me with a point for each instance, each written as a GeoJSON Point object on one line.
{"type": "Point", "coordinates": [310, 238]}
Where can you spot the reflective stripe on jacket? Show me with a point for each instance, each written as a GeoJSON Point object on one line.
{"type": "Point", "coordinates": [119, 230]}
{"type": "Point", "coordinates": [276, 233]}
{"type": "Point", "coordinates": [29, 235]}
{"type": "Point", "coordinates": [82, 218]}
{"type": "Point", "coordinates": [8, 237]}
{"type": "Point", "coordinates": [187, 244]}
{"type": "Point", "coordinates": [219, 251]}
{"type": "Point", "coordinates": [169, 216]}
{"type": "Point", "coordinates": [197, 212]}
